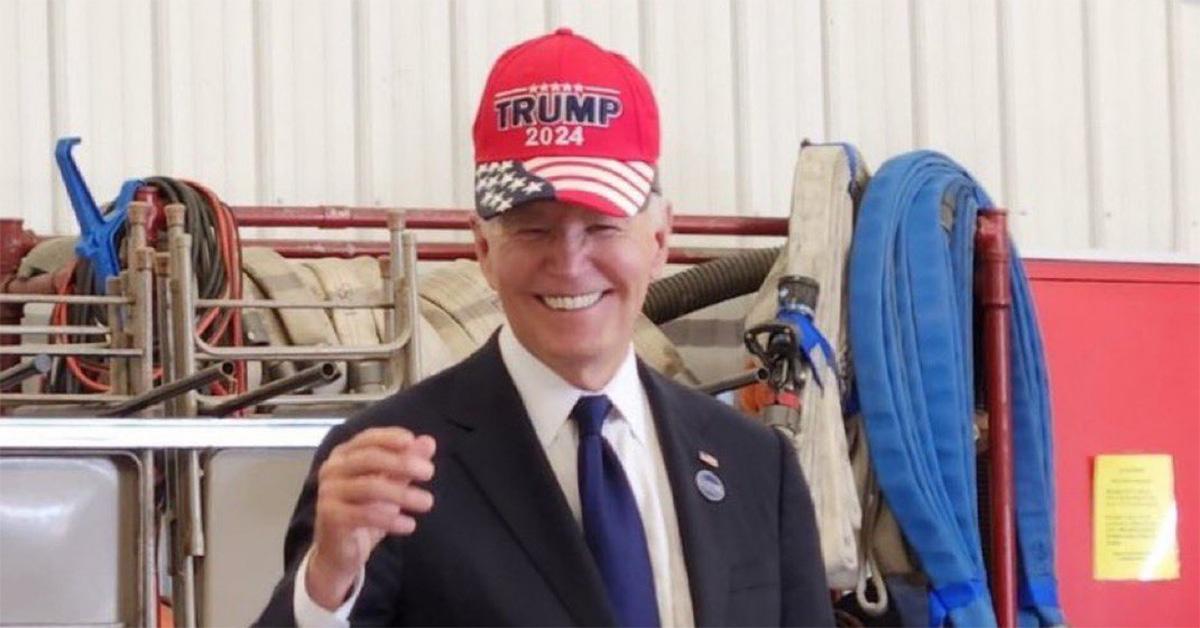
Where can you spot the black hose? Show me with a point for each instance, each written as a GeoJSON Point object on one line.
{"type": "Point", "coordinates": [200, 220]}
{"type": "Point", "coordinates": [708, 283]}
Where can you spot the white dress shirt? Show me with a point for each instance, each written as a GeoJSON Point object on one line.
{"type": "Point", "coordinates": [629, 430]}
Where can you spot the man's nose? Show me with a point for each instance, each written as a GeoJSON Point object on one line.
{"type": "Point", "coordinates": [568, 254]}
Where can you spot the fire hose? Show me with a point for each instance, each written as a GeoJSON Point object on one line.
{"type": "Point", "coordinates": [911, 274]}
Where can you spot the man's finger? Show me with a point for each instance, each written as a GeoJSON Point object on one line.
{"type": "Point", "coordinates": [377, 460]}
{"type": "Point", "coordinates": [403, 525]}
{"type": "Point", "coordinates": [424, 446]}
{"type": "Point", "coordinates": [374, 515]}
{"type": "Point", "coordinates": [366, 489]}
{"type": "Point", "coordinates": [396, 438]}
{"type": "Point", "coordinates": [417, 500]}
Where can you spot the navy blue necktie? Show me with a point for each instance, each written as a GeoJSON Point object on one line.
{"type": "Point", "coordinates": [611, 523]}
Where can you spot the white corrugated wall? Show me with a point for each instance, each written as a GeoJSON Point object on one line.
{"type": "Point", "coordinates": [1081, 116]}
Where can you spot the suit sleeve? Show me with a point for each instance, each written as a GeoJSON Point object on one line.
{"type": "Point", "coordinates": [376, 601]}
{"type": "Point", "coordinates": [805, 593]}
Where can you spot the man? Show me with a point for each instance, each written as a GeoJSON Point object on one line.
{"type": "Point", "coordinates": [573, 484]}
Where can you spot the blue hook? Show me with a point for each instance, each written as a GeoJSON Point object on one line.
{"type": "Point", "coordinates": [98, 233]}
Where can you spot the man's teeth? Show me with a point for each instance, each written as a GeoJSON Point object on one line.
{"type": "Point", "coordinates": [577, 302]}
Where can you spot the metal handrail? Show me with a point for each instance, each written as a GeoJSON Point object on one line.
{"type": "Point", "coordinates": [222, 371]}
{"type": "Point", "coordinates": [324, 372]}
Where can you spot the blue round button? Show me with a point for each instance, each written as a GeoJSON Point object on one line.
{"type": "Point", "coordinates": [710, 485]}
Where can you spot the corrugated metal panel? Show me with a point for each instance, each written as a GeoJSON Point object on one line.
{"type": "Point", "coordinates": [1131, 156]}
{"type": "Point", "coordinates": [1046, 110]}
{"type": "Point", "coordinates": [1184, 36]}
{"type": "Point", "coordinates": [1079, 115]}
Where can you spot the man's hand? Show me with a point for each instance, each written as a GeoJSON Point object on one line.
{"type": "Point", "coordinates": [365, 490]}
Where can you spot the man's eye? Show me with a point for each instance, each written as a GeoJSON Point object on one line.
{"type": "Point", "coordinates": [602, 228]}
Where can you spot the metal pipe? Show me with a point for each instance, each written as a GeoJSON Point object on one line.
{"type": "Point", "coordinates": [994, 291]}
{"type": "Point", "coordinates": [410, 308]}
{"type": "Point", "coordinates": [335, 217]}
{"type": "Point", "coordinates": [73, 299]}
{"type": "Point", "coordinates": [118, 370]}
{"type": "Point", "coordinates": [147, 590]}
{"type": "Point", "coordinates": [388, 267]}
{"type": "Point", "coordinates": [294, 305]}
{"type": "Point", "coordinates": [393, 273]}
{"type": "Point", "coordinates": [138, 214]}
{"type": "Point", "coordinates": [163, 321]}
{"type": "Point", "coordinates": [207, 351]}
{"type": "Point", "coordinates": [183, 312]}
{"type": "Point", "coordinates": [74, 330]}
{"type": "Point", "coordinates": [209, 401]}
{"type": "Point", "coordinates": [222, 371]}
{"type": "Point", "coordinates": [47, 399]}
{"type": "Point", "coordinates": [39, 365]}
{"type": "Point", "coordinates": [92, 349]}
{"type": "Point", "coordinates": [141, 320]}
{"type": "Point", "coordinates": [183, 586]}
{"type": "Point", "coordinates": [319, 373]}
{"type": "Point", "coordinates": [735, 382]}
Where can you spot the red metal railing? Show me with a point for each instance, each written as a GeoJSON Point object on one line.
{"type": "Point", "coordinates": [994, 292]}
{"type": "Point", "coordinates": [341, 217]}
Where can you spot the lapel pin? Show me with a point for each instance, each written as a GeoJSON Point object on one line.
{"type": "Point", "coordinates": [711, 486]}
{"type": "Point", "coordinates": [709, 459]}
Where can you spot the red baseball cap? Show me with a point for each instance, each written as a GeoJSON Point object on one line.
{"type": "Point", "coordinates": [563, 119]}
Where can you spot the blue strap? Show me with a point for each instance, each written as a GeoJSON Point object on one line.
{"type": "Point", "coordinates": [811, 341]}
{"type": "Point", "coordinates": [611, 523]}
{"type": "Point", "coordinates": [1039, 592]}
{"type": "Point", "coordinates": [951, 597]}
{"type": "Point", "coordinates": [1038, 603]}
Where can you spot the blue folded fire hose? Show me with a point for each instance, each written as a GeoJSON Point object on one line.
{"type": "Point", "coordinates": [911, 310]}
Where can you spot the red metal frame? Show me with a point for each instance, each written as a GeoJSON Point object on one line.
{"type": "Point", "coordinates": [340, 217]}
{"type": "Point", "coordinates": [994, 292]}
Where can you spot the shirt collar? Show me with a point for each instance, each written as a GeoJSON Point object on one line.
{"type": "Point", "coordinates": [549, 398]}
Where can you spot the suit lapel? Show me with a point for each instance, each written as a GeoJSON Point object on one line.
{"type": "Point", "coordinates": [704, 548]}
{"type": "Point", "coordinates": [502, 454]}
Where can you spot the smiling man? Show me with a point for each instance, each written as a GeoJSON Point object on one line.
{"type": "Point", "coordinates": [552, 478]}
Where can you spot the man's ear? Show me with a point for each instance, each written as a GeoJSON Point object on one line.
{"type": "Point", "coordinates": [483, 250]}
{"type": "Point", "coordinates": [662, 237]}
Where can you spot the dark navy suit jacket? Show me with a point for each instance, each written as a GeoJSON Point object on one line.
{"type": "Point", "coordinates": [501, 547]}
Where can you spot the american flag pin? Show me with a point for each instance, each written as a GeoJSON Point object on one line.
{"type": "Point", "coordinates": [709, 460]}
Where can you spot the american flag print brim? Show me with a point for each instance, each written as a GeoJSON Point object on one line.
{"type": "Point", "coordinates": [609, 186]}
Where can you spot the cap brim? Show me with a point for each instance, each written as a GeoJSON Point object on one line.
{"type": "Point", "coordinates": [608, 186]}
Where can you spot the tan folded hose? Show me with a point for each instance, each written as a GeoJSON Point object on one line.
{"type": "Point", "coordinates": [459, 310]}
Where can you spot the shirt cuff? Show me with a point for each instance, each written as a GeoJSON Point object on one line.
{"type": "Point", "coordinates": [308, 613]}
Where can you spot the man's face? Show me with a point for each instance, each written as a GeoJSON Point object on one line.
{"type": "Point", "coordinates": [572, 281]}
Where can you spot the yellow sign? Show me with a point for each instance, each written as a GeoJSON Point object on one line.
{"type": "Point", "coordinates": [1134, 518]}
